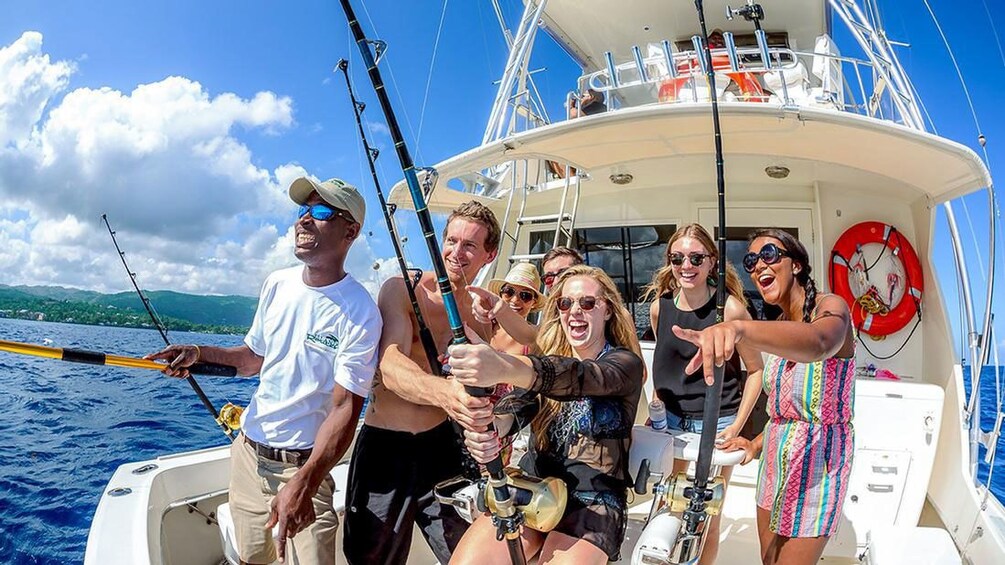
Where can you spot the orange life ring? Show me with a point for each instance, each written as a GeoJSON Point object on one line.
{"type": "Point", "coordinates": [868, 320]}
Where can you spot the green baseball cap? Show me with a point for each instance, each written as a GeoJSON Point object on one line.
{"type": "Point", "coordinates": [336, 192]}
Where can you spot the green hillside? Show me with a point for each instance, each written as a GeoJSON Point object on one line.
{"type": "Point", "coordinates": [178, 311]}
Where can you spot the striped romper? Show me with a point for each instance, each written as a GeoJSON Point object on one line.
{"type": "Point", "coordinates": [808, 444]}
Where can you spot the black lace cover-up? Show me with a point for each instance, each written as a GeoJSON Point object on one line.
{"type": "Point", "coordinates": [588, 441]}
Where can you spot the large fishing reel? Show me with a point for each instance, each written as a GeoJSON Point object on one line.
{"type": "Point", "coordinates": [664, 539]}
{"type": "Point", "coordinates": [541, 502]}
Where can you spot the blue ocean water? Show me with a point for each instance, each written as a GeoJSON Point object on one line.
{"type": "Point", "coordinates": [66, 427]}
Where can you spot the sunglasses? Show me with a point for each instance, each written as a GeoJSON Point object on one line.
{"type": "Point", "coordinates": [586, 303]}
{"type": "Point", "coordinates": [322, 212]}
{"type": "Point", "coordinates": [770, 254]}
{"type": "Point", "coordinates": [508, 292]}
{"type": "Point", "coordinates": [677, 259]}
{"type": "Point", "coordinates": [549, 277]}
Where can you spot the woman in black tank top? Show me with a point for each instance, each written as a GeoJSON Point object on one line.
{"type": "Point", "coordinates": [684, 297]}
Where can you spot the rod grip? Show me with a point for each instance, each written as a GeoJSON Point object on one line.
{"type": "Point", "coordinates": [212, 370]}
{"type": "Point", "coordinates": [479, 392]}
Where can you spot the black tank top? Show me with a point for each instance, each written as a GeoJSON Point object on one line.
{"type": "Point", "coordinates": [684, 395]}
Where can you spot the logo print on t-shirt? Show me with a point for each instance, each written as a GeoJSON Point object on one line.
{"type": "Point", "coordinates": [319, 340]}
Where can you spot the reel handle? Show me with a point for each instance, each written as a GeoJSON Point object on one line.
{"type": "Point", "coordinates": [642, 477]}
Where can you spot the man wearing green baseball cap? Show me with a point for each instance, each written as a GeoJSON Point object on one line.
{"type": "Point", "coordinates": [313, 344]}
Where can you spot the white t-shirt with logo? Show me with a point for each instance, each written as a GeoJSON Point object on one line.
{"type": "Point", "coordinates": [311, 338]}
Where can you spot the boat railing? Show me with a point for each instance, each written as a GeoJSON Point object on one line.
{"type": "Point", "coordinates": [821, 78]}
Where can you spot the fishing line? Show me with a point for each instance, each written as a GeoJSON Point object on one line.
{"type": "Point", "coordinates": [394, 83]}
{"type": "Point", "coordinates": [429, 75]}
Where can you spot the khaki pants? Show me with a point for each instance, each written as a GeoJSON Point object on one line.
{"type": "Point", "coordinates": [254, 482]}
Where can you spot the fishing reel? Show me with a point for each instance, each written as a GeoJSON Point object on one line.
{"type": "Point", "coordinates": [230, 414]}
{"type": "Point", "coordinates": [541, 502]}
{"type": "Point", "coordinates": [665, 540]}
{"type": "Point", "coordinates": [752, 12]}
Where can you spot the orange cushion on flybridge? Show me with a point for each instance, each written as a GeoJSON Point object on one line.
{"type": "Point", "coordinates": [750, 87]}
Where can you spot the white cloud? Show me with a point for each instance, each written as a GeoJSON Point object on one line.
{"type": "Point", "coordinates": [192, 209]}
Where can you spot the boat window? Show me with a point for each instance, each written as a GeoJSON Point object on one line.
{"type": "Point", "coordinates": [630, 255]}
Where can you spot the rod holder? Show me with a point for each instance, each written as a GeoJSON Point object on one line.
{"type": "Point", "coordinates": [669, 58]}
{"type": "Point", "coordinates": [612, 70]}
{"type": "Point", "coordinates": [639, 64]}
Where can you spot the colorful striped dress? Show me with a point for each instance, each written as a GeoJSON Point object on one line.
{"type": "Point", "coordinates": [808, 444]}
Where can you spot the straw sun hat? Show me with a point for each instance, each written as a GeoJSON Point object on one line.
{"type": "Point", "coordinates": [522, 275]}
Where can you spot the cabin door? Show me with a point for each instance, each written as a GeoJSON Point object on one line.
{"type": "Point", "coordinates": [743, 219]}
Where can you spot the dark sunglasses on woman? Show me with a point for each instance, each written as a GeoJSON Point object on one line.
{"type": "Point", "coordinates": [696, 259]}
{"type": "Point", "coordinates": [508, 292]}
{"type": "Point", "coordinates": [770, 254]}
{"type": "Point", "coordinates": [586, 303]}
{"type": "Point", "coordinates": [321, 212]}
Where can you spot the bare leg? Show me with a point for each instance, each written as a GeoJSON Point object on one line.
{"type": "Point", "coordinates": [799, 551]}
{"type": "Point", "coordinates": [561, 549]}
{"type": "Point", "coordinates": [764, 534]}
{"type": "Point", "coordinates": [479, 544]}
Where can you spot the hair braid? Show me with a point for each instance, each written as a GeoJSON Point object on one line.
{"type": "Point", "coordinates": [810, 302]}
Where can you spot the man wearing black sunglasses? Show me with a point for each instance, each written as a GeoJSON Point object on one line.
{"type": "Point", "coordinates": [313, 343]}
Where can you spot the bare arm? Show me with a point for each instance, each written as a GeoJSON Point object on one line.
{"type": "Point", "coordinates": [654, 315]}
{"type": "Point", "coordinates": [754, 365]}
{"type": "Point", "coordinates": [398, 372]}
{"type": "Point", "coordinates": [487, 307]}
{"type": "Point", "coordinates": [824, 337]}
{"type": "Point", "coordinates": [293, 508]}
{"type": "Point", "coordinates": [242, 357]}
{"type": "Point", "coordinates": [827, 335]}
{"type": "Point", "coordinates": [404, 377]}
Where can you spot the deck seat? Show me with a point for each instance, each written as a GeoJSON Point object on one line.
{"type": "Point", "coordinates": [225, 521]}
{"type": "Point", "coordinates": [898, 545]}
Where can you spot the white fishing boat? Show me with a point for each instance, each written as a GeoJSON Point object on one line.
{"type": "Point", "coordinates": [817, 137]}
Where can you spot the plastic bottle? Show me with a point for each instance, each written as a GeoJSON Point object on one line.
{"type": "Point", "coordinates": [658, 414]}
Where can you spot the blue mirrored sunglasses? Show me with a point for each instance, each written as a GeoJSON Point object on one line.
{"type": "Point", "coordinates": [321, 212]}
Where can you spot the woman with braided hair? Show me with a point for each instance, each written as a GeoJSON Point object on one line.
{"type": "Point", "coordinates": [809, 375]}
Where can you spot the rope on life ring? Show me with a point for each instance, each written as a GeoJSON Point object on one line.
{"type": "Point", "coordinates": [872, 313]}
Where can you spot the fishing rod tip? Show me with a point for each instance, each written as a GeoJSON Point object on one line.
{"type": "Point", "coordinates": [342, 65]}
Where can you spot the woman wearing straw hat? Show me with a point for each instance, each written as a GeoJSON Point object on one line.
{"type": "Point", "coordinates": [518, 291]}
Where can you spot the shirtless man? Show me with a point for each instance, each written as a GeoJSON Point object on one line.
{"type": "Point", "coordinates": [407, 444]}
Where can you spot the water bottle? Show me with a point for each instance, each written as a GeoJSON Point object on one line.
{"type": "Point", "coordinates": [658, 414]}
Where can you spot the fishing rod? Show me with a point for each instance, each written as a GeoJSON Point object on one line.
{"type": "Point", "coordinates": [87, 357]}
{"type": "Point", "coordinates": [506, 519]}
{"type": "Point", "coordinates": [212, 369]}
{"type": "Point", "coordinates": [699, 494]}
{"type": "Point", "coordinates": [425, 336]}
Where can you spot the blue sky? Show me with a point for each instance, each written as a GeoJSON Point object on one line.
{"type": "Point", "coordinates": [185, 121]}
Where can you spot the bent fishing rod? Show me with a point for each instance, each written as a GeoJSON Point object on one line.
{"type": "Point", "coordinates": [507, 520]}
{"type": "Point", "coordinates": [699, 494]}
{"type": "Point", "coordinates": [425, 336]}
{"type": "Point", "coordinates": [197, 369]}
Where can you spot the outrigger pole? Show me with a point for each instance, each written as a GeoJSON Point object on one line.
{"type": "Point", "coordinates": [695, 516]}
{"type": "Point", "coordinates": [197, 369]}
{"type": "Point", "coordinates": [507, 520]}
{"type": "Point", "coordinates": [425, 336]}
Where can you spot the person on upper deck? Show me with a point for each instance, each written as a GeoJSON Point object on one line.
{"type": "Point", "coordinates": [587, 380]}
{"type": "Point", "coordinates": [313, 343]}
{"type": "Point", "coordinates": [407, 444]}
{"type": "Point", "coordinates": [685, 296]}
{"type": "Point", "coordinates": [807, 445]}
